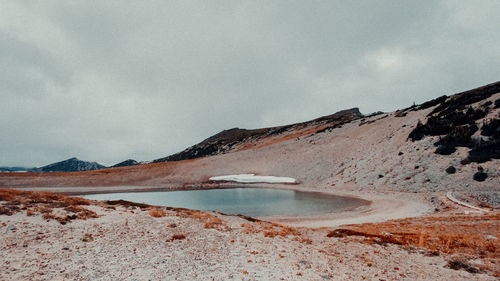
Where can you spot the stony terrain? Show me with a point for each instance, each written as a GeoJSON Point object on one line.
{"type": "Point", "coordinates": [129, 241]}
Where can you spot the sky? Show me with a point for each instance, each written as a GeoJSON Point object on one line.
{"type": "Point", "coordinates": [110, 80]}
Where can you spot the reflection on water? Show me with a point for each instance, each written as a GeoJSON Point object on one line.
{"type": "Point", "coordinates": [246, 201]}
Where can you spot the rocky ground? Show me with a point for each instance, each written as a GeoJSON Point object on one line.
{"type": "Point", "coordinates": [60, 239]}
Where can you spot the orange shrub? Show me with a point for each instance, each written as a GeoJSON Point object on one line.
{"type": "Point", "coordinates": [157, 213]}
{"type": "Point", "coordinates": [176, 237]}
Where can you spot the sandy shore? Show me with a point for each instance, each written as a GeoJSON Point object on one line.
{"type": "Point", "coordinates": [379, 207]}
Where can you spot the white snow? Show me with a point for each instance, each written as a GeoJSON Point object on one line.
{"type": "Point", "coordinates": [249, 178]}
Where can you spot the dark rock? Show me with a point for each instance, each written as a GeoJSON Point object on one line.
{"type": "Point", "coordinates": [432, 103]}
{"type": "Point", "coordinates": [497, 103]}
{"type": "Point", "coordinates": [418, 133]}
{"type": "Point", "coordinates": [445, 150]}
{"type": "Point", "coordinates": [486, 104]}
{"type": "Point", "coordinates": [400, 114]}
{"type": "Point", "coordinates": [451, 170]}
{"type": "Point", "coordinates": [480, 176]}
{"type": "Point", "coordinates": [491, 128]}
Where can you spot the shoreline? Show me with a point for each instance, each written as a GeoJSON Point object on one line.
{"type": "Point", "coordinates": [380, 206]}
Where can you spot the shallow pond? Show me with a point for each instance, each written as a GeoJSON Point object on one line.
{"type": "Point", "coordinates": [255, 202]}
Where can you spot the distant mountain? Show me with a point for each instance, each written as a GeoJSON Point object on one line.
{"type": "Point", "coordinates": [228, 140]}
{"type": "Point", "coordinates": [16, 169]}
{"type": "Point", "coordinates": [129, 162]}
{"type": "Point", "coordinates": [71, 165]}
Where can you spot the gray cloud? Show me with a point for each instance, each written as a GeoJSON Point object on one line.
{"type": "Point", "coordinates": [110, 80]}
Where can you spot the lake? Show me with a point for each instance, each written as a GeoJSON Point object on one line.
{"type": "Point", "coordinates": [254, 202]}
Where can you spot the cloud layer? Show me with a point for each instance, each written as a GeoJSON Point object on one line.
{"type": "Point", "coordinates": [111, 80]}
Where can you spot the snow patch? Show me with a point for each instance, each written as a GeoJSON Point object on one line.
{"type": "Point", "coordinates": [249, 178]}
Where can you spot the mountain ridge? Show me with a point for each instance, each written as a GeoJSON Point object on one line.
{"type": "Point", "coordinates": [226, 140]}
{"type": "Point", "coordinates": [70, 165]}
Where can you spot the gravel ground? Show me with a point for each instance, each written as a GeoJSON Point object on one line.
{"type": "Point", "coordinates": [130, 244]}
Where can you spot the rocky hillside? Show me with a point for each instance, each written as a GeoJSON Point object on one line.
{"type": "Point", "coordinates": [129, 162]}
{"type": "Point", "coordinates": [71, 165]}
{"type": "Point", "coordinates": [227, 140]}
{"type": "Point", "coordinates": [456, 121]}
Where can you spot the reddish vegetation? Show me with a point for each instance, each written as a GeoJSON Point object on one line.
{"type": "Point", "coordinates": [269, 229]}
{"type": "Point", "coordinates": [454, 234]}
{"type": "Point", "coordinates": [57, 200]}
{"type": "Point", "coordinates": [157, 213]}
{"type": "Point", "coordinates": [176, 237]}
{"type": "Point", "coordinates": [44, 203]}
{"type": "Point", "coordinates": [211, 221]}
{"type": "Point", "coordinates": [271, 140]}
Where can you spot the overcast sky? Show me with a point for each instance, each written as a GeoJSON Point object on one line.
{"type": "Point", "coordinates": [110, 80]}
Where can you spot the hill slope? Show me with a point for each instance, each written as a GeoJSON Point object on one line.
{"type": "Point", "coordinates": [227, 140]}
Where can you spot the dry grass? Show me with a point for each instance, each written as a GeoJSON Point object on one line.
{"type": "Point", "coordinates": [274, 229]}
{"type": "Point", "coordinates": [213, 222]}
{"type": "Point", "coordinates": [33, 197]}
{"type": "Point", "coordinates": [448, 234]}
{"type": "Point", "coordinates": [88, 237]}
{"type": "Point", "coordinates": [273, 140]}
{"type": "Point", "coordinates": [451, 234]}
{"type": "Point", "coordinates": [269, 229]}
{"type": "Point", "coordinates": [176, 237]}
{"type": "Point", "coordinates": [157, 213]}
{"type": "Point", "coordinates": [210, 221]}
{"type": "Point", "coordinates": [44, 203]}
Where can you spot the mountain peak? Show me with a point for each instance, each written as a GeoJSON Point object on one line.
{"type": "Point", "coordinates": [71, 165]}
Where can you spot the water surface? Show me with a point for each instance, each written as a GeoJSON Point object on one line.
{"type": "Point", "coordinates": [255, 202]}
